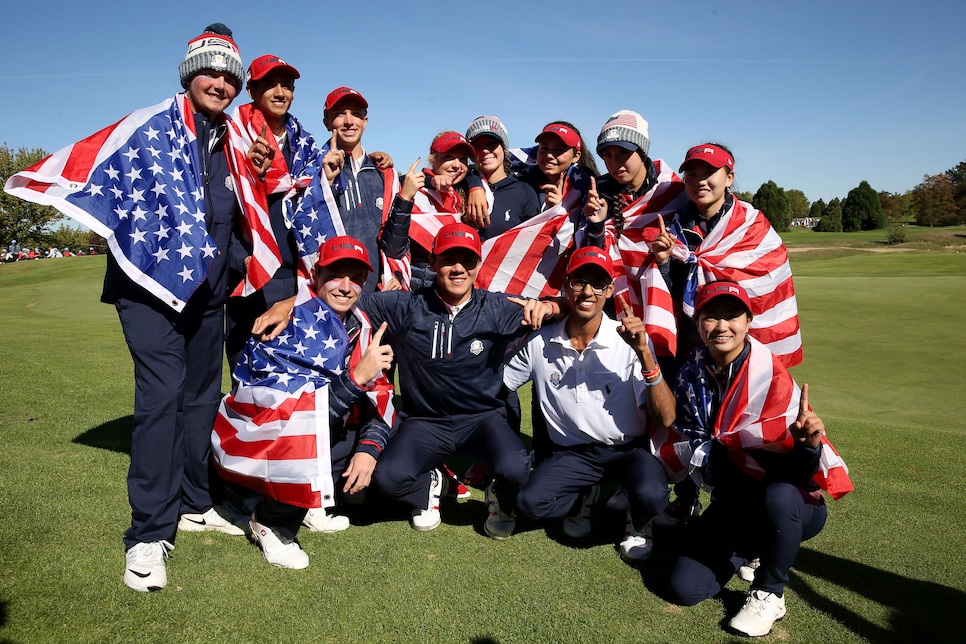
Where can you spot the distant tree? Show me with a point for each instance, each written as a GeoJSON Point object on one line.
{"type": "Point", "coordinates": [898, 208]}
{"type": "Point", "coordinates": [862, 210]}
{"type": "Point", "coordinates": [935, 201]}
{"type": "Point", "coordinates": [958, 177]}
{"type": "Point", "coordinates": [816, 209]}
{"type": "Point", "coordinates": [21, 220]}
{"type": "Point", "coordinates": [773, 203]}
{"type": "Point", "coordinates": [744, 196]}
{"type": "Point", "coordinates": [831, 221]}
{"type": "Point", "coordinates": [69, 237]}
{"type": "Point", "coordinates": [798, 203]}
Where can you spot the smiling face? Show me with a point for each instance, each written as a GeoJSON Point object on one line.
{"type": "Point", "coordinates": [340, 283]}
{"type": "Point", "coordinates": [210, 92]}
{"type": "Point", "coordinates": [625, 166]}
{"type": "Point", "coordinates": [456, 271]}
{"type": "Point", "coordinates": [489, 157]}
{"type": "Point", "coordinates": [273, 95]}
{"type": "Point", "coordinates": [723, 326]}
{"type": "Point", "coordinates": [587, 291]}
{"type": "Point", "coordinates": [706, 185]}
{"type": "Point", "coordinates": [348, 119]}
{"type": "Point", "coordinates": [451, 164]}
{"type": "Point", "coordinates": [554, 156]}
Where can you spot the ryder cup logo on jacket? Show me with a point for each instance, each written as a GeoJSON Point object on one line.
{"type": "Point", "coordinates": [476, 347]}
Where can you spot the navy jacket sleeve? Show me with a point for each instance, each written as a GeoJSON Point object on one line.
{"type": "Point", "coordinates": [394, 241]}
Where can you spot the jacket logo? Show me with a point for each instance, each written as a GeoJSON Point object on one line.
{"type": "Point", "coordinates": [476, 347]}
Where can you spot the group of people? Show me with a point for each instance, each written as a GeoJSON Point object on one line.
{"type": "Point", "coordinates": [16, 253]}
{"type": "Point", "coordinates": [655, 318]}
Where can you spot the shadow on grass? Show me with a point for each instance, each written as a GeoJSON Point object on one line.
{"type": "Point", "coordinates": [114, 435]}
{"type": "Point", "coordinates": [921, 610]}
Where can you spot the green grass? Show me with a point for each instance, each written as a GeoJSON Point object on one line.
{"type": "Point", "coordinates": [885, 367]}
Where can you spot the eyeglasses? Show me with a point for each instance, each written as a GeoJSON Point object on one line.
{"type": "Point", "coordinates": [577, 285]}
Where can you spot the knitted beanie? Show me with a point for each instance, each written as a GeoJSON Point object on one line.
{"type": "Point", "coordinates": [214, 50]}
{"type": "Point", "coordinates": [626, 129]}
{"type": "Point", "coordinates": [490, 125]}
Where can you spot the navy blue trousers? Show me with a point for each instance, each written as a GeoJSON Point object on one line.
{"type": "Point", "coordinates": [177, 390]}
{"type": "Point", "coordinates": [420, 444]}
{"type": "Point", "coordinates": [558, 482]}
{"type": "Point", "coordinates": [769, 522]}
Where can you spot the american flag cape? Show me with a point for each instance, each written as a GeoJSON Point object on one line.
{"type": "Point", "coordinates": [272, 432]}
{"type": "Point", "coordinates": [761, 403]}
{"type": "Point", "coordinates": [138, 184]}
{"type": "Point", "coordinates": [317, 218]}
{"type": "Point", "coordinates": [433, 209]}
{"type": "Point", "coordinates": [279, 178]}
{"type": "Point", "coordinates": [637, 277]}
{"type": "Point", "coordinates": [743, 247]}
{"type": "Point", "coordinates": [531, 258]}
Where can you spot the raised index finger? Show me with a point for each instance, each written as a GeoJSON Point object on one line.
{"type": "Point", "coordinates": [377, 336]}
{"type": "Point", "coordinates": [593, 186]}
{"type": "Point", "coordinates": [660, 221]}
{"type": "Point", "coordinates": [624, 305]}
{"type": "Point", "coordinates": [264, 130]}
{"type": "Point", "coordinates": [332, 145]}
{"type": "Point", "coordinates": [803, 405]}
{"type": "Point", "coordinates": [415, 165]}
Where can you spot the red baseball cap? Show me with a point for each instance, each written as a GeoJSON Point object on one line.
{"type": "Point", "coordinates": [343, 247]}
{"type": "Point", "coordinates": [713, 290]}
{"type": "Point", "coordinates": [452, 142]}
{"type": "Point", "coordinates": [711, 154]}
{"type": "Point", "coordinates": [457, 236]}
{"type": "Point", "coordinates": [262, 65]}
{"type": "Point", "coordinates": [340, 94]}
{"type": "Point", "coordinates": [568, 135]}
{"type": "Point", "coordinates": [590, 256]}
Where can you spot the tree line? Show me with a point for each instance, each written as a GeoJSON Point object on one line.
{"type": "Point", "coordinates": [939, 200]}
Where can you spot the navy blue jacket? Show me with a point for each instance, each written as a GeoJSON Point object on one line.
{"type": "Point", "coordinates": [513, 203]}
{"type": "Point", "coordinates": [447, 367]}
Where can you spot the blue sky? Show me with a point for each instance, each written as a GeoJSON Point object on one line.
{"type": "Point", "coordinates": [816, 96]}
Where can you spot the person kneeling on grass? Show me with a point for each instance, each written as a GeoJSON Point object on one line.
{"type": "Point", "coordinates": [451, 339]}
{"type": "Point", "coordinates": [752, 437]}
{"type": "Point", "coordinates": [594, 377]}
{"type": "Point", "coordinates": [311, 410]}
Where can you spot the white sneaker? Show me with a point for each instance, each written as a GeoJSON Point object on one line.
{"type": "Point", "coordinates": [319, 520]}
{"type": "Point", "coordinates": [760, 612]}
{"type": "Point", "coordinates": [275, 549]}
{"type": "Point", "coordinates": [429, 519]}
{"type": "Point", "coordinates": [217, 520]}
{"type": "Point", "coordinates": [145, 570]}
{"type": "Point", "coordinates": [498, 525]}
{"type": "Point", "coordinates": [747, 572]}
{"type": "Point", "coordinates": [618, 500]}
{"type": "Point", "coordinates": [578, 526]}
{"type": "Point", "coordinates": [637, 544]}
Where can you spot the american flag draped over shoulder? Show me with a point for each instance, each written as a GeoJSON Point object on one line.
{"type": "Point", "coordinates": [744, 248]}
{"type": "Point", "coordinates": [138, 184]}
{"type": "Point", "coordinates": [272, 432]}
{"type": "Point", "coordinates": [636, 276]}
{"type": "Point", "coordinates": [316, 218]}
{"type": "Point", "coordinates": [432, 210]}
{"type": "Point", "coordinates": [531, 258]}
{"type": "Point", "coordinates": [279, 178]}
{"type": "Point", "coordinates": [306, 158]}
{"type": "Point", "coordinates": [761, 403]}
